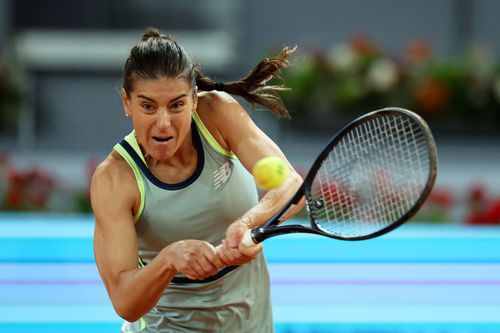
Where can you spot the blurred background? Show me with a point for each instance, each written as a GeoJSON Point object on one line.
{"type": "Point", "coordinates": [60, 115]}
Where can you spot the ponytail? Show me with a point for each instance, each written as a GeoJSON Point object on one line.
{"type": "Point", "coordinates": [253, 88]}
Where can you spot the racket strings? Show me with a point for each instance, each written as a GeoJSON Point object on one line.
{"type": "Point", "coordinates": [372, 177]}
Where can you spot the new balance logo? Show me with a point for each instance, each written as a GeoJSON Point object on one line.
{"type": "Point", "coordinates": [222, 174]}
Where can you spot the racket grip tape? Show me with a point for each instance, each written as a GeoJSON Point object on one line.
{"type": "Point", "coordinates": [247, 239]}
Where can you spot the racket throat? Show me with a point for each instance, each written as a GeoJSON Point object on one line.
{"type": "Point", "coordinates": [260, 234]}
{"type": "Point", "coordinates": [312, 206]}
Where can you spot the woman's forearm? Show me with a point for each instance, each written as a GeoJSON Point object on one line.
{"type": "Point", "coordinates": [273, 201]}
{"type": "Point", "coordinates": [137, 291]}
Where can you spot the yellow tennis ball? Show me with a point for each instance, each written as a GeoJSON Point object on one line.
{"type": "Point", "coordinates": [270, 172]}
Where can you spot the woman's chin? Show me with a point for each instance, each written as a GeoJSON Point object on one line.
{"type": "Point", "coordinates": [159, 155]}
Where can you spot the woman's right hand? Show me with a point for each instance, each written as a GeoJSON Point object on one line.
{"type": "Point", "coordinates": [195, 258]}
{"type": "Point", "coordinates": [232, 251]}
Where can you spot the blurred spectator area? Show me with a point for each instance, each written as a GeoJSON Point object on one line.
{"type": "Point", "coordinates": [66, 58]}
{"type": "Point", "coordinates": [71, 83]}
{"type": "Point", "coordinates": [68, 55]}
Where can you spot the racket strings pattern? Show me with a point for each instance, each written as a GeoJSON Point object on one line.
{"type": "Point", "coordinates": [374, 176]}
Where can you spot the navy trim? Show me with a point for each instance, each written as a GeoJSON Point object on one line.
{"type": "Point", "coordinates": [221, 273]}
{"type": "Point", "coordinates": [185, 280]}
{"type": "Point", "coordinates": [152, 178]}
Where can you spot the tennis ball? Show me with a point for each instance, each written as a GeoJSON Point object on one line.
{"type": "Point", "coordinates": [270, 172]}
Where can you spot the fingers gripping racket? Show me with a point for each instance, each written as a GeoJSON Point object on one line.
{"type": "Point", "coordinates": [370, 178]}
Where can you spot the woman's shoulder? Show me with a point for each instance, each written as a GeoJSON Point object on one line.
{"type": "Point", "coordinates": [215, 109]}
{"type": "Point", "coordinates": [216, 104]}
{"type": "Point", "coordinates": [113, 172]}
{"type": "Point", "coordinates": [113, 191]}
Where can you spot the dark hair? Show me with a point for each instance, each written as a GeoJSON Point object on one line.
{"type": "Point", "coordinates": [158, 55]}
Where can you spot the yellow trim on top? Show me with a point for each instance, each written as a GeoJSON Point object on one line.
{"type": "Point", "coordinates": [209, 137]}
{"type": "Point", "coordinates": [141, 262]}
{"type": "Point", "coordinates": [137, 173]}
{"type": "Point", "coordinates": [132, 140]}
{"type": "Point", "coordinates": [142, 325]}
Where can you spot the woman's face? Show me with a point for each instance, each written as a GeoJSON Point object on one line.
{"type": "Point", "coordinates": [161, 114]}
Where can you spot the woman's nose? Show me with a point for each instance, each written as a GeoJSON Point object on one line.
{"type": "Point", "coordinates": [164, 118]}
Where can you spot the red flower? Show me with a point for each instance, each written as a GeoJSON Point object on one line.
{"type": "Point", "coordinates": [431, 96]}
{"type": "Point", "coordinates": [477, 193]}
{"type": "Point", "coordinates": [493, 212]}
{"type": "Point", "coordinates": [28, 190]}
{"type": "Point", "coordinates": [441, 198]}
{"type": "Point", "coordinates": [490, 214]}
{"type": "Point", "coordinates": [364, 46]}
{"type": "Point", "coordinates": [13, 199]}
{"type": "Point", "coordinates": [418, 51]}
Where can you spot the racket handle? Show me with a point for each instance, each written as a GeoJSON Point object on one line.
{"type": "Point", "coordinates": [247, 239]}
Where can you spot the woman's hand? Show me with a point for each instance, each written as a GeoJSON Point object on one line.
{"type": "Point", "coordinates": [197, 259]}
{"type": "Point", "coordinates": [231, 251]}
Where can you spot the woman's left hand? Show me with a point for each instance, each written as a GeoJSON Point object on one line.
{"type": "Point", "coordinates": [231, 251]}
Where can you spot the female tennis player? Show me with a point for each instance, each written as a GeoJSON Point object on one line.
{"type": "Point", "coordinates": [177, 186]}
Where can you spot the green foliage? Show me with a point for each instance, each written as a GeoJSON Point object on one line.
{"type": "Point", "coordinates": [461, 91]}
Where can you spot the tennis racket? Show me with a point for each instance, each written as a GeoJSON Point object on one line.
{"type": "Point", "coordinates": [371, 177]}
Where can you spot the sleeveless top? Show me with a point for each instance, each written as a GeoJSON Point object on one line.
{"type": "Point", "coordinates": [237, 299]}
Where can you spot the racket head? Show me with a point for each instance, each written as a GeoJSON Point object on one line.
{"type": "Point", "coordinates": [372, 176]}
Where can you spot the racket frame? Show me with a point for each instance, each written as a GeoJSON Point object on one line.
{"type": "Point", "coordinates": [272, 228]}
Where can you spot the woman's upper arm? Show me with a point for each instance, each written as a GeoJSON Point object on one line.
{"type": "Point", "coordinates": [251, 144]}
{"type": "Point", "coordinates": [244, 137]}
{"type": "Point", "coordinates": [236, 132]}
{"type": "Point", "coordinates": [115, 240]}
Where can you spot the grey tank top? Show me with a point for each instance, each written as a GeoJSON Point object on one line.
{"type": "Point", "coordinates": [201, 207]}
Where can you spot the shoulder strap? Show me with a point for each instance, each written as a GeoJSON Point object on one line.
{"type": "Point", "coordinates": [210, 138]}
{"type": "Point", "coordinates": [119, 148]}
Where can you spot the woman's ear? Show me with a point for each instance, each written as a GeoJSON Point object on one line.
{"type": "Point", "coordinates": [195, 97]}
{"type": "Point", "coordinates": [126, 104]}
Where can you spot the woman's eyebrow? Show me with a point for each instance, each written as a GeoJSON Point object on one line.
{"type": "Point", "coordinates": [152, 100]}
{"type": "Point", "coordinates": [178, 97]}
{"type": "Point", "coordinates": [146, 97]}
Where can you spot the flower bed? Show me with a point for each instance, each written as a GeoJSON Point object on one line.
{"type": "Point", "coordinates": [456, 95]}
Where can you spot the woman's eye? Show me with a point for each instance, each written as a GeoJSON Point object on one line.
{"type": "Point", "coordinates": [177, 106]}
{"type": "Point", "coordinates": [147, 107]}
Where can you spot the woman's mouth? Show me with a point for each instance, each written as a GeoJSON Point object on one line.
{"type": "Point", "coordinates": [163, 139]}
